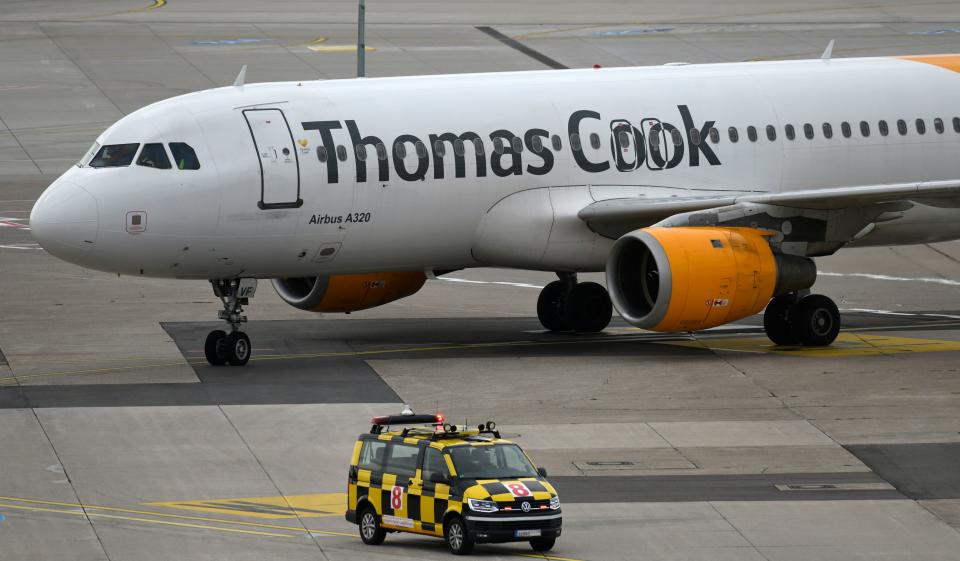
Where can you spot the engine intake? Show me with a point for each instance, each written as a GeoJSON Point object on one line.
{"type": "Point", "coordinates": [347, 293]}
{"type": "Point", "coordinates": [692, 278]}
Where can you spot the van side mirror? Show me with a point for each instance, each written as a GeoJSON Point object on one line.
{"type": "Point", "coordinates": [439, 478]}
{"type": "Point", "coordinates": [542, 472]}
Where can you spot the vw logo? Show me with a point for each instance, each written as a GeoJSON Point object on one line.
{"type": "Point", "coordinates": [525, 507]}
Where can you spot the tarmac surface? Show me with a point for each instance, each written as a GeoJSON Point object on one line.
{"type": "Point", "coordinates": [118, 441]}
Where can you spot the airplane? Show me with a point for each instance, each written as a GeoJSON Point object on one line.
{"type": "Point", "coordinates": [704, 191]}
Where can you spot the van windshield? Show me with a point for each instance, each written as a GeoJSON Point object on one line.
{"type": "Point", "coordinates": [497, 461]}
{"type": "Point", "coordinates": [114, 156]}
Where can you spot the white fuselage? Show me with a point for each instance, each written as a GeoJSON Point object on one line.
{"type": "Point", "coordinates": [252, 210]}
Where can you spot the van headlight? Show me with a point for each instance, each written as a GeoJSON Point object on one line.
{"type": "Point", "coordinates": [482, 506]}
{"type": "Point", "coordinates": [554, 503]}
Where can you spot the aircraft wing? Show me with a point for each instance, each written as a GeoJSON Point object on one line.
{"type": "Point", "coordinates": [615, 217]}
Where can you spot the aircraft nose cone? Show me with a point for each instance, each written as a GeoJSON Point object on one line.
{"type": "Point", "coordinates": [64, 220]}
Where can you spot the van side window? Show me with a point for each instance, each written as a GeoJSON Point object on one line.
{"type": "Point", "coordinates": [433, 464]}
{"type": "Point", "coordinates": [184, 156]}
{"type": "Point", "coordinates": [372, 455]}
{"type": "Point", "coordinates": [402, 459]}
{"type": "Point", "coordinates": [154, 156]}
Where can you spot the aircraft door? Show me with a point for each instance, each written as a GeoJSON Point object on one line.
{"type": "Point", "coordinates": [277, 156]}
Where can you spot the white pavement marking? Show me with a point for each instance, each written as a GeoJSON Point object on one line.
{"type": "Point", "coordinates": [504, 283]}
{"type": "Point", "coordinates": [8, 222]}
{"type": "Point", "coordinates": [27, 246]}
{"type": "Point", "coordinates": [931, 280]}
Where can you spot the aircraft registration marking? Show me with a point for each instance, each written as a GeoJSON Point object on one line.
{"type": "Point", "coordinates": [276, 508]}
{"type": "Point", "coordinates": [847, 344]}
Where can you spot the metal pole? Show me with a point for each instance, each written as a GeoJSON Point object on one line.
{"type": "Point", "coordinates": [361, 44]}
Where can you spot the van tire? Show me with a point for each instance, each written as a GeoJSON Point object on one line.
{"type": "Point", "coordinates": [370, 530]}
{"type": "Point", "coordinates": [543, 544]}
{"type": "Point", "coordinates": [458, 538]}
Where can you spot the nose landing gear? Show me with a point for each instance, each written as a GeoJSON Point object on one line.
{"type": "Point", "coordinates": [566, 305]}
{"type": "Point", "coordinates": [230, 348]}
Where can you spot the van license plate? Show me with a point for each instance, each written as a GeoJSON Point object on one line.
{"type": "Point", "coordinates": [526, 533]}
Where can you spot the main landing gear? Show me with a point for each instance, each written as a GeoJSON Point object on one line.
{"type": "Point", "coordinates": [231, 348]}
{"type": "Point", "coordinates": [566, 305]}
{"type": "Point", "coordinates": [811, 320]}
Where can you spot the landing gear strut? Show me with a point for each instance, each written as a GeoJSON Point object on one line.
{"type": "Point", "coordinates": [812, 320]}
{"type": "Point", "coordinates": [234, 347]}
{"type": "Point", "coordinates": [566, 305]}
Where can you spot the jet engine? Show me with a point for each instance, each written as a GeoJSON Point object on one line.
{"type": "Point", "coordinates": [692, 278]}
{"type": "Point", "coordinates": [347, 293]}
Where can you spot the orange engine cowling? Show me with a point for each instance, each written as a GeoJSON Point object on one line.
{"type": "Point", "coordinates": [691, 278]}
{"type": "Point", "coordinates": [347, 293]}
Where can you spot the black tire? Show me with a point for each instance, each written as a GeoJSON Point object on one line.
{"type": "Point", "coordinates": [776, 320]}
{"type": "Point", "coordinates": [815, 321]}
{"type": "Point", "coordinates": [215, 348]}
{"type": "Point", "coordinates": [542, 544]}
{"type": "Point", "coordinates": [238, 348]}
{"type": "Point", "coordinates": [369, 524]}
{"type": "Point", "coordinates": [551, 305]}
{"type": "Point", "coordinates": [458, 539]}
{"type": "Point", "coordinates": [589, 308]}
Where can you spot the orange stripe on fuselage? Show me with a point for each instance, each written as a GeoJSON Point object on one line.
{"type": "Point", "coordinates": [950, 62]}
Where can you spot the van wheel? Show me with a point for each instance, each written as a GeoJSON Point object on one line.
{"type": "Point", "coordinates": [458, 539]}
{"type": "Point", "coordinates": [543, 544]}
{"type": "Point", "coordinates": [370, 531]}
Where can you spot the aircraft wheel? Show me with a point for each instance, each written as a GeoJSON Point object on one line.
{"type": "Point", "coordinates": [589, 308]}
{"type": "Point", "coordinates": [815, 321]}
{"type": "Point", "coordinates": [776, 319]}
{"type": "Point", "coordinates": [551, 306]}
{"type": "Point", "coordinates": [215, 348]}
{"type": "Point", "coordinates": [238, 348]}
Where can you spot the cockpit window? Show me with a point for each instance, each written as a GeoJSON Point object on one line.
{"type": "Point", "coordinates": [86, 157]}
{"type": "Point", "coordinates": [184, 156]}
{"type": "Point", "coordinates": [114, 156]}
{"type": "Point", "coordinates": [154, 156]}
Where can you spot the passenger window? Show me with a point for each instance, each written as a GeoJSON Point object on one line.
{"type": "Point", "coordinates": [536, 144]}
{"type": "Point", "coordinates": [114, 156]}
{"type": "Point", "coordinates": [845, 129]}
{"type": "Point", "coordinates": [752, 133]}
{"type": "Point", "coordinates": [400, 149]}
{"type": "Point", "coordinates": [478, 147]}
{"type": "Point", "coordinates": [595, 140]}
{"type": "Point", "coordinates": [381, 151]}
{"type": "Point", "coordinates": [361, 152]}
{"type": "Point", "coordinates": [938, 125]}
{"type": "Point", "coordinates": [402, 459]}
{"type": "Point", "coordinates": [956, 124]}
{"type": "Point", "coordinates": [771, 133]}
{"type": "Point", "coordinates": [733, 134]}
{"type": "Point", "coordinates": [808, 131]}
{"type": "Point", "coordinates": [154, 156]}
{"type": "Point", "coordinates": [865, 129]}
{"type": "Point", "coordinates": [884, 129]}
{"type": "Point", "coordinates": [575, 142]}
{"type": "Point", "coordinates": [790, 132]}
{"type": "Point", "coordinates": [921, 126]}
{"type": "Point", "coordinates": [623, 139]}
{"type": "Point", "coordinates": [322, 154]}
{"type": "Point", "coordinates": [342, 153]}
{"type": "Point", "coordinates": [372, 455]}
{"type": "Point", "coordinates": [901, 126]}
{"type": "Point", "coordinates": [439, 149]}
{"type": "Point", "coordinates": [498, 145]}
{"type": "Point", "coordinates": [421, 149]}
{"type": "Point", "coordinates": [678, 138]}
{"type": "Point", "coordinates": [184, 156]}
{"type": "Point", "coordinates": [714, 135]}
{"type": "Point", "coordinates": [458, 147]}
{"type": "Point", "coordinates": [827, 131]}
{"type": "Point", "coordinates": [433, 464]}
{"type": "Point", "coordinates": [695, 137]}
{"type": "Point", "coordinates": [517, 144]}
{"type": "Point", "coordinates": [557, 144]}
{"type": "Point", "coordinates": [655, 142]}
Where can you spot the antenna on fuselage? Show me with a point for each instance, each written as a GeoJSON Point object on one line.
{"type": "Point", "coordinates": [361, 43]}
{"type": "Point", "coordinates": [828, 52]}
{"type": "Point", "coordinates": [241, 77]}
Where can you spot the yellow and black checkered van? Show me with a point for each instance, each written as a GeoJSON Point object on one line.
{"type": "Point", "coordinates": [467, 486]}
